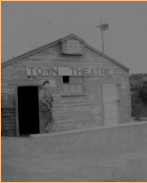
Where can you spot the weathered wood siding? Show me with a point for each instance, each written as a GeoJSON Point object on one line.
{"type": "Point", "coordinates": [69, 112]}
{"type": "Point", "coordinates": [7, 110]}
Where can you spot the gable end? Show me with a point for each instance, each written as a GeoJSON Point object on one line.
{"type": "Point", "coordinates": [63, 41]}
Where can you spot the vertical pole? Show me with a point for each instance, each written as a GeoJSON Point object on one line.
{"type": "Point", "coordinates": [102, 37]}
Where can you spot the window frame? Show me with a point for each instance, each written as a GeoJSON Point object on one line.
{"type": "Point", "coordinates": [74, 93]}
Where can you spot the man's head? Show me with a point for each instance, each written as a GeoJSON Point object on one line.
{"type": "Point", "coordinates": [46, 84]}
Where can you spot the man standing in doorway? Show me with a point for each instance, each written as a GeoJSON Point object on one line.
{"type": "Point", "coordinates": [46, 100]}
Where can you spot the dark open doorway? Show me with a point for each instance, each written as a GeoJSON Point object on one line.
{"type": "Point", "coordinates": [28, 110]}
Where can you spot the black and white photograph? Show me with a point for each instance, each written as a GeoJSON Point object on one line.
{"type": "Point", "coordinates": [73, 91]}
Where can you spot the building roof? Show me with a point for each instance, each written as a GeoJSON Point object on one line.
{"type": "Point", "coordinates": [11, 61]}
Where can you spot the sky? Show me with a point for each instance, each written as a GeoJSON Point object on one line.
{"type": "Point", "coordinates": [28, 25]}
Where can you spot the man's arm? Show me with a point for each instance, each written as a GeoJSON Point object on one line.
{"type": "Point", "coordinates": [41, 97]}
{"type": "Point", "coordinates": [51, 98]}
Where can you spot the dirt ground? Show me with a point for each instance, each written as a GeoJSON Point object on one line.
{"type": "Point", "coordinates": [108, 155]}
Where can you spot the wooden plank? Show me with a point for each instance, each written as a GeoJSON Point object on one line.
{"type": "Point", "coordinates": [110, 90]}
{"type": "Point", "coordinates": [111, 122]}
{"type": "Point", "coordinates": [110, 98]}
{"type": "Point", "coordinates": [111, 114]}
{"type": "Point", "coordinates": [109, 85]}
{"type": "Point", "coordinates": [7, 90]}
{"type": "Point", "coordinates": [111, 107]}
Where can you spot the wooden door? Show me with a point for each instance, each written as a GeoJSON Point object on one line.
{"type": "Point", "coordinates": [110, 101]}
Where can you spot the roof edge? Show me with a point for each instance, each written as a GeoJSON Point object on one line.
{"type": "Point", "coordinates": [11, 61]}
{"type": "Point", "coordinates": [107, 57]}
{"type": "Point", "coordinates": [72, 36]}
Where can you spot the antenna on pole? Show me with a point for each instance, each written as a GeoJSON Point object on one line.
{"type": "Point", "coordinates": [102, 27]}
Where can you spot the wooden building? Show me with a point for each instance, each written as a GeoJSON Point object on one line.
{"type": "Point", "coordinates": [89, 88]}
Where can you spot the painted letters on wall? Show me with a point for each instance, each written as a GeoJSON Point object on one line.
{"type": "Point", "coordinates": [68, 71]}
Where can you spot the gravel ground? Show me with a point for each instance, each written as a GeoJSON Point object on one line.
{"type": "Point", "coordinates": [109, 155]}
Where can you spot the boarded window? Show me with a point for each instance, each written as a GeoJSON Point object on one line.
{"type": "Point", "coordinates": [73, 46]}
{"type": "Point", "coordinates": [76, 79]}
{"type": "Point", "coordinates": [79, 87]}
{"type": "Point", "coordinates": [73, 84]}
{"type": "Point", "coordinates": [72, 87]}
{"type": "Point", "coordinates": [66, 88]}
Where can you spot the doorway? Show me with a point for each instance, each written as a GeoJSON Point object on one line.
{"type": "Point", "coordinates": [28, 110]}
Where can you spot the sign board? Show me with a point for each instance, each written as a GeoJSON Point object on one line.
{"type": "Point", "coordinates": [68, 71]}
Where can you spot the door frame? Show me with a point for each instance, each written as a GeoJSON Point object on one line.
{"type": "Point", "coordinates": [118, 94]}
{"type": "Point", "coordinates": [16, 105]}
{"type": "Point", "coordinates": [16, 112]}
